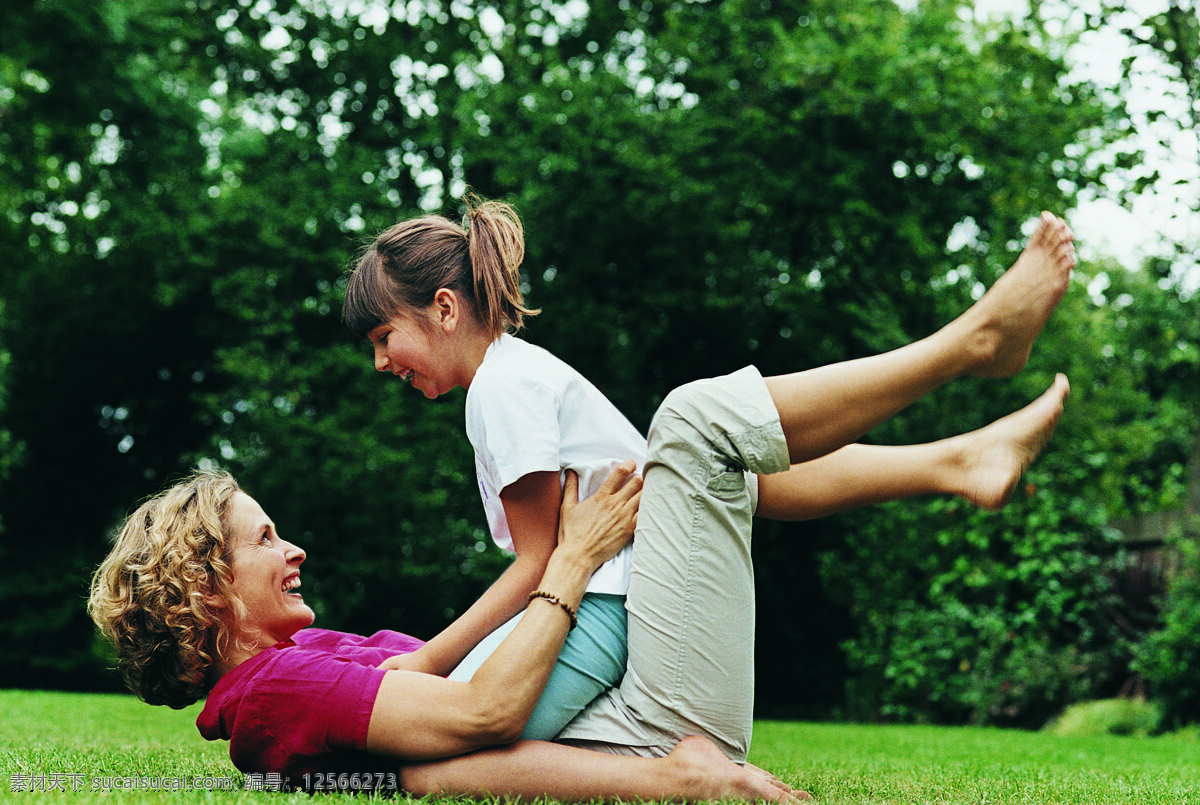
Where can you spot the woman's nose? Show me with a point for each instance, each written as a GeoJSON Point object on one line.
{"type": "Point", "coordinates": [295, 553]}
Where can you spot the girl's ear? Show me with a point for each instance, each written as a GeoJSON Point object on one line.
{"type": "Point", "coordinates": [215, 601]}
{"type": "Point", "coordinates": [447, 310]}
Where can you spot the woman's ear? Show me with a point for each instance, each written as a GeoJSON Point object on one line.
{"type": "Point", "coordinates": [215, 601]}
{"type": "Point", "coordinates": [446, 309]}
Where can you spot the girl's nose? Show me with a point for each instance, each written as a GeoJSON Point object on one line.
{"type": "Point", "coordinates": [381, 359]}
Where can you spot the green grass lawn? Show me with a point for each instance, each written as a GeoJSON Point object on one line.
{"type": "Point", "coordinates": [82, 740]}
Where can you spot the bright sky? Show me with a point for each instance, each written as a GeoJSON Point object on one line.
{"type": "Point", "coordinates": [1102, 227]}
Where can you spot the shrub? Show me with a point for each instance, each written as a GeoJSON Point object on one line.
{"type": "Point", "coordinates": [1107, 717]}
{"type": "Point", "coordinates": [990, 618]}
{"type": "Point", "coordinates": [1170, 657]}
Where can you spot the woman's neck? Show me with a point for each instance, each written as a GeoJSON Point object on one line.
{"type": "Point", "coordinates": [234, 656]}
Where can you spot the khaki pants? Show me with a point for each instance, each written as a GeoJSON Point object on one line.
{"type": "Point", "coordinates": [691, 596]}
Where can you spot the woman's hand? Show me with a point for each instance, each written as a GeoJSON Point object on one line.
{"type": "Point", "coordinates": [599, 527]}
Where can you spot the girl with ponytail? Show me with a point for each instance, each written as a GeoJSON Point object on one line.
{"type": "Point", "coordinates": [440, 301]}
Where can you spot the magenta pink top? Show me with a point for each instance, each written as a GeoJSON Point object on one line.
{"type": "Point", "coordinates": [301, 708]}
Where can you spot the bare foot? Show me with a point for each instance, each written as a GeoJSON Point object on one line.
{"type": "Point", "coordinates": [707, 774]}
{"type": "Point", "coordinates": [995, 456]}
{"type": "Point", "coordinates": [775, 781]}
{"type": "Point", "coordinates": [1003, 325]}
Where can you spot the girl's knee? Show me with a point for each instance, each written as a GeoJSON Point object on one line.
{"type": "Point", "coordinates": [687, 403]}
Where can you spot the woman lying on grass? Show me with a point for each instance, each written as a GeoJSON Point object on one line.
{"type": "Point", "coordinates": [198, 593]}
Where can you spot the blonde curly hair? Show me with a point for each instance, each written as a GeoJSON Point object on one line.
{"type": "Point", "coordinates": [150, 597]}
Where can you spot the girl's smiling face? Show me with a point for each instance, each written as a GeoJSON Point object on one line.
{"type": "Point", "coordinates": [437, 348]}
{"type": "Point", "coordinates": [411, 349]}
{"type": "Point", "coordinates": [266, 573]}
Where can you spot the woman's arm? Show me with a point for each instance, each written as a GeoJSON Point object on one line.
{"type": "Point", "coordinates": [531, 505]}
{"type": "Point", "coordinates": [417, 716]}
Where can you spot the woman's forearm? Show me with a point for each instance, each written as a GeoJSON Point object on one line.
{"type": "Point", "coordinates": [611, 513]}
{"type": "Point", "coordinates": [419, 716]}
{"type": "Point", "coordinates": [506, 597]}
{"type": "Point", "coordinates": [533, 646]}
{"type": "Point", "coordinates": [532, 507]}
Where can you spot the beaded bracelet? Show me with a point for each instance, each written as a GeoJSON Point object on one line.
{"type": "Point", "coordinates": [554, 599]}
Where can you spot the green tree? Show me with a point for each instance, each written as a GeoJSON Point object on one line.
{"type": "Point", "coordinates": [1169, 656]}
{"type": "Point", "coordinates": [1005, 618]}
{"type": "Point", "coordinates": [1163, 66]}
{"type": "Point", "coordinates": [10, 450]}
{"type": "Point", "coordinates": [702, 184]}
{"type": "Point", "coordinates": [102, 314]}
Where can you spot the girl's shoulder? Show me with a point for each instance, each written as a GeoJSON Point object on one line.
{"type": "Point", "coordinates": [511, 349]}
{"type": "Point", "coordinates": [514, 361]}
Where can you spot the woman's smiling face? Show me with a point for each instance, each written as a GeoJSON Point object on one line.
{"type": "Point", "coordinates": [266, 571]}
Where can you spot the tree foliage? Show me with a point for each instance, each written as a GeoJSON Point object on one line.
{"type": "Point", "coordinates": [703, 185]}
{"type": "Point", "coordinates": [1164, 56]}
{"type": "Point", "coordinates": [1170, 657]}
{"type": "Point", "coordinates": [1160, 66]}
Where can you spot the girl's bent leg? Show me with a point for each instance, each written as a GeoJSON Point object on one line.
{"type": "Point", "coordinates": [592, 660]}
{"type": "Point", "coordinates": [982, 466]}
{"type": "Point", "coordinates": [826, 408]}
{"type": "Point", "coordinates": [691, 595]}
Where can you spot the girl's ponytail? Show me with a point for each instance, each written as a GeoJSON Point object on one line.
{"type": "Point", "coordinates": [401, 271]}
{"type": "Point", "coordinates": [496, 243]}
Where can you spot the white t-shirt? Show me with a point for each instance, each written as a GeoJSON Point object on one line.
{"type": "Point", "coordinates": [528, 411]}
